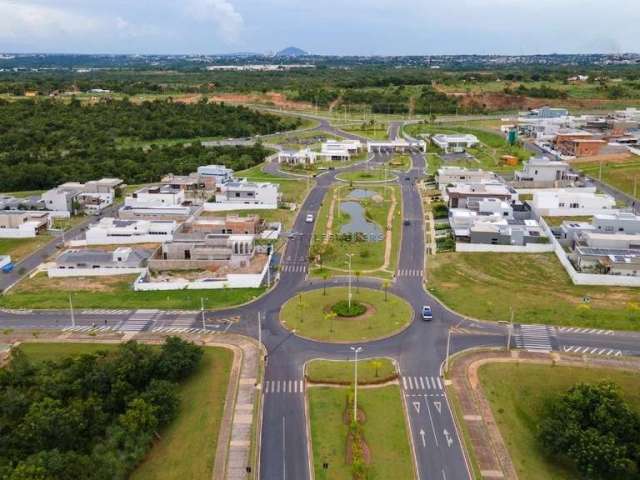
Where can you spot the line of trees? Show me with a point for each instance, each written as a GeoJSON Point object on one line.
{"type": "Point", "coordinates": [94, 416]}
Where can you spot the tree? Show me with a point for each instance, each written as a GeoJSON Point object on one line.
{"type": "Point", "coordinates": [330, 316]}
{"type": "Point", "coordinates": [385, 285]}
{"type": "Point", "coordinates": [596, 429]}
{"type": "Point", "coordinates": [358, 274]}
{"type": "Point", "coordinates": [376, 364]}
{"type": "Point", "coordinates": [325, 277]}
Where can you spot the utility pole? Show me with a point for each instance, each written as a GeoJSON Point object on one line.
{"type": "Point", "coordinates": [204, 327]}
{"type": "Point", "coordinates": [635, 187]}
{"type": "Point", "coordinates": [73, 317]}
{"type": "Point", "coordinates": [446, 359]}
{"type": "Point", "coordinates": [260, 328]}
{"type": "Point", "coordinates": [355, 385]}
{"type": "Point", "coordinates": [349, 255]}
{"type": "Point", "coordinates": [510, 332]}
{"type": "Point", "coordinates": [600, 172]}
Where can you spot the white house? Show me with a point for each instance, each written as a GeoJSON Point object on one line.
{"type": "Point", "coordinates": [304, 156]}
{"type": "Point", "coordinates": [18, 224]}
{"type": "Point", "coordinates": [545, 171]}
{"type": "Point", "coordinates": [572, 202]}
{"type": "Point", "coordinates": [453, 175]}
{"type": "Point", "coordinates": [111, 231]}
{"type": "Point", "coordinates": [220, 173]}
{"type": "Point", "coordinates": [166, 202]}
{"type": "Point", "coordinates": [340, 149]}
{"type": "Point", "coordinates": [98, 263]}
{"type": "Point", "coordinates": [245, 195]}
{"type": "Point", "coordinates": [455, 143]}
{"type": "Point", "coordinates": [92, 197]}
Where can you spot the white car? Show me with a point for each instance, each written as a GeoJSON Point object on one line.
{"type": "Point", "coordinates": [309, 218]}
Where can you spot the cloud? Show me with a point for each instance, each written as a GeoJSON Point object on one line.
{"type": "Point", "coordinates": [226, 18]}
{"type": "Point", "coordinates": [20, 19]}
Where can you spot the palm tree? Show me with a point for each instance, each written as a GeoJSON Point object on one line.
{"type": "Point", "coordinates": [376, 364]}
{"type": "Point", "coordinates": [358, 273]}
{"type": "Point", "coordinates": [330, 316]}
{"type": "Point", "coordinates": [301, 306]}
{"type": "Point", "coordinates": [385, 285]}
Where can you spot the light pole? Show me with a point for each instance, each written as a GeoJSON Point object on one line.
{"type": "Point", "coordinates": [355, 350]}
{"type": "Point", "coordinates": [349, 255]}
{"type": "Point", "coordinates": [204, 327]}
{"type": "Point", "coordinates": [259, 328]}
{"type": "Point", "coordinates": [73, 317]}
{"type": "Point", "coordinates": [510, 331]}
{"type": "Point", "coordinates": [446, 360]}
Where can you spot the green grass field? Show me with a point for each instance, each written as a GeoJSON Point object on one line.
{"type": "Point", "coordinates": [186, 448]}
{"type": "Point", "coordinates": [624, 176]}
{"type": "Point", "coordinates": [41, 292]}
{"type": "Point", "coordinates": [379, 133]}
{"type": "Point", "coordinates": [367, 255]}
{"type": "Point", "coordinates": [383, 317]}
{"type": "Point", "coordinates": [486, 285]}
{"type": "Point", "coordinates": [384, 431]}
{"type": "Point", "coordinates": [517, 394]}
{"type": "Point", "coordinates": [19, 248]}
{"type": "Point", "coordinates": [369, 371]}
{"type": "Point", "coordinates": [373, 175]}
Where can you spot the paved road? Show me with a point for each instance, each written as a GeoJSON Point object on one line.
{"type": "Point", "coordinates": [420, 350]}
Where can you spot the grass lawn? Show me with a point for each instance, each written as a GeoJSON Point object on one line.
{"type": "Point", "coordinates": [383, 317]}
{"type": "Point", "coordinates": [379, 133]}
{"type": "Point", "coordinates": [42, 292]}
{"type": "Point", "coordinates": [373, 175]}
{"type": "Point", "coordinates": [372, 370]}
{"type": "Point", "coordinates": [187, 446]}
{"type": "Point", "coordinates": [19, 248]}
{"type": "Point", "coordinates": [517, 394]}
{"type": "Point", "coordinates": [621, 175]}
{"type": "Point", "coordinates": [485, 285]}
{"type": "Point", "coordinates": [384, 428]}
{"type": "Point", "coordinates": [401, 162]}
{"type": "Point", "coordinates": [367, 255]}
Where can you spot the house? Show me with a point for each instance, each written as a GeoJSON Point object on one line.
{"type": "Point", "coordinates": [111, 231]}
{"type": "Point", "coordinates": [469, 195]}
{"type": "Point", "coordinates": [452, 175]}
{"type": "Point", "coordinates": [399, 145]}
{"type": "Point", "coordinates": [196, 188]}
{"type": "Point", "coordinates": [244, 195]}
{"type": "Point", "coordinates": [507, 232]}
{"type": "Point", "coordinates": [544, 112]}
{"type": "Point", "coordinates": [166, 202]}
{"type": "Point", "coordinates": [93, 263]}
{"type": "Point", "coordinates": [229, 225]}
{"type": "Point", "coordinates": [18, 224]}
{"type": "Point", "coordinates": [340, 150]}
{"type": "Point", "coordinates": [578, 143]}
{"type": "Point", "coordinates": [543, 171]}
{"type": "Point", "coordinates": [572, 202]}
{"type": "Point", "coordinates": [620, 222]}
{"type": "Point", "coordinates": [304, 156]}
{"type": "Point", "coordinates": [219, 173]}
{"type": "Point", "coordinates": [91, 197]}
{"type": "Point", "coordinates": [455, 143]}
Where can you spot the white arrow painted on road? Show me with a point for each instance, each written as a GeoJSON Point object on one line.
{"type": "Point", "coordinates": [416, 405]}
{"type": "Point", "coordinates": [448, 437]}
{"type": "Point", "coordinates": [438, 406]}
{"type": "Point", "coordinates": [424, 441]}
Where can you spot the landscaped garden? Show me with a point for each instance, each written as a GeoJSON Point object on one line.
{"type": "Point", "coordinates": [322, 314]}
{"type": "Point", "coordinates": [370, 371]}
{"type": "Point", "coordinates": [369, 175]}
{"type": "Point", "coordinates": [363, 223]}
{"type": "Point", "coordinates": [487, 285]}
{"type": "Point", "coordinates": [527, 403]}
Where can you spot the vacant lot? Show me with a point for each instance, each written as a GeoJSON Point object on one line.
{"type": "Point", "coordinates": [19, 248]}
{"type": "Point", "coordinates": [384, 427]}
{"type": "Point", "coordinates": [186, 448]}
{"type": "Point", "coordinates": [372, 370]}
{"type": "Point", "coordinates": [115, 293]}
{"type": "Point", "coordinates": [517, 394]}
{"type": "Point", "coordinates": [308, 312]}
{"type": "Point", "coordinates": [622, 175]}
{"type": "Point", "coordinates": [486, 285]}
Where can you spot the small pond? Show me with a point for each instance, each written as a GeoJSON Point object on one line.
{"type": "Point", "coordinates": [358, 223]}
{"type": "Point", "coordinates": [360, 193]}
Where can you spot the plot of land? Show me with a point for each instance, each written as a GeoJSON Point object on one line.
{"type": "Point", "coordinates": [41, 292]}
{"type": "Point", "coordinates": [373, 370]}
{"type": "Point", "coordinates": [309, 314]}
{"type": "Point", "coordinates": [623, 175]}
{"type": "Point", "coordinates": [384, 426]}
{"type": "Point", "coordinates": [486, 285]}
{"type": "Point", "coordinates": [517, 394]}
{"type": "Point", "coordinates": [186, 448]}
{"type": "Point", "coordinates": [20, 248]}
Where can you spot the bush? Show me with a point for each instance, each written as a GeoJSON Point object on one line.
{"type": "Point", "coordinates": [342, 309]}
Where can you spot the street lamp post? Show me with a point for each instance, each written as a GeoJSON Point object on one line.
{"type": "Point", "coordinates": [73, 317]}
{"type": "Point", "coordinates": [349, 255]}
{"type": "Point", "coordinates": [355, 350]}
{"type": "Point", "coordinates": [204, 327]}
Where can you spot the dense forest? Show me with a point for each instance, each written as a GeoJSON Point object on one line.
{"type": "Point", "coordinates": [43, 144]}
{"type": "Point", "coordinates": [94, 416]}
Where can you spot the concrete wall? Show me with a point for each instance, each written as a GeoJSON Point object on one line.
{"type": "Point", "coordinates": [92, 272]}
{"type": "Point", "coordinates": [17, 232]}
{"type": "Point", "coordinates": [484, 247]}
{"type": "Point", "coordinates": [228, 207]}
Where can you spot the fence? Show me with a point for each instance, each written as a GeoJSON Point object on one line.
{"type": "Point", "coordinates": [486, 247]}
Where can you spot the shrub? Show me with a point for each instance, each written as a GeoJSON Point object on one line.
{"type": "Point", "coordinates": [342, 309]}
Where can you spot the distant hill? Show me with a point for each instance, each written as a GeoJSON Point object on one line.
{"type": "Point", "coordinates": [292, 52]}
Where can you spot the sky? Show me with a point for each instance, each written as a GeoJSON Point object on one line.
{"type": "Point", "coordinates": [332, 27]}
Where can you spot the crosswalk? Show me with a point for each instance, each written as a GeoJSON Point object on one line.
{"type": "Point", "coordinates": [105, 312]}
{"type": "Point", "coordinates": [410, 273]}
{"type": "Point", "coordinates": [587, 331]}
{"type": "Point", "coordinates": [534, 338]}
{"type": "Point", "coordinates": [608, 352]}
{"type": "Point", "coordinates": [422, 383]}
{"type": "Point", "coordinates": [175, 330]}
{"type": "Point", "coordinates": [89, 328]}
{"type": "Point", "coordinates": [272, 387]}
{"type": "Point", "coordinates": [294, 267]}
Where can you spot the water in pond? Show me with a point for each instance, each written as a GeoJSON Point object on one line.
{"type": "Point", "coordinates": [358, 223]}
{"type": "Point", "coordinates": [360, 193]}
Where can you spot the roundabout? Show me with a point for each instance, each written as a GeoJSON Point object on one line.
{"type": "Point", "coordinates": [325, 315]}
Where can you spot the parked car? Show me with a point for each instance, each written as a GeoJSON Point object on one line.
{"type": "Point", "coordinates": [309, 218]}
{"type": "Point", "coordinates": [407, 223]}
{"type": "Point", "coordinates": [427, 313]}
